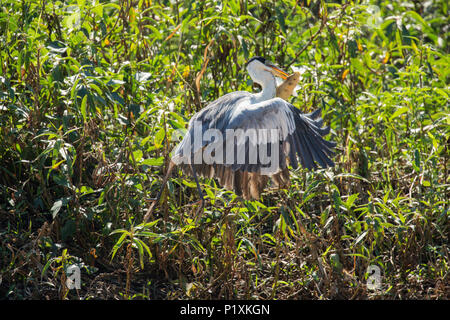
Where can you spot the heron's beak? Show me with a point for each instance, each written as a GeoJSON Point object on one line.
{"type": "Point", "coordinates": [277, 72]}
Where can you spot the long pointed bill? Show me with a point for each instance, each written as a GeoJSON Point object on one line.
{"type": "Point", "coordinates": [278, 72]}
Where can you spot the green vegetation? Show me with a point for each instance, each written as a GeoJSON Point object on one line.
{"type": "Point", "coordinates": [91, 93]}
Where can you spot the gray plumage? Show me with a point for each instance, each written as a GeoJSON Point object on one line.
{"type": "Point", "coordinates": [300, 138]}
{"type": "Point", "coordinates": [266, 135]}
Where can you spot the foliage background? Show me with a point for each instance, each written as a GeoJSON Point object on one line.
{"type": "Point", "coordinates": [92, 91]}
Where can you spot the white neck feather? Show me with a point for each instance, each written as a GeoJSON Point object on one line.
{"type": "Point", "coordinates": [264, 78]}
{"type": "Point", "coordinates": [269, 87]}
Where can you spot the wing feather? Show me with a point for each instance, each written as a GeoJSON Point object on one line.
{"type": "Point", "coordinates": [300, 138]}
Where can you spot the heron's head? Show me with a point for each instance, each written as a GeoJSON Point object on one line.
{"type": "Point", "coordinates": [258, 66]}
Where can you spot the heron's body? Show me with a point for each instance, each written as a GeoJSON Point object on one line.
{"type": "Point", "coordinates": [299, 137]}
{"type": "Point", "coordinates": [269, 134]}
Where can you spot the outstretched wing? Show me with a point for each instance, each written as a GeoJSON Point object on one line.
{"type": "Point", "coordinates": [215, 115]}
{"type": "Point", "coordinates": [300, 135]}
{"type": "Point", "coordinates": [265, 138]}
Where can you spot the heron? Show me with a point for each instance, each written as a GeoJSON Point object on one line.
{"type": "Point", "coordinates": [273, 135]}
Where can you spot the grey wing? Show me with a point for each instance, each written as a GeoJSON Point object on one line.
{"type": "Point", "coordinates": [217, 114]}
{"type": "Point", "coordinates": [214, 116]}
{"type": "Point", "coordinates": [308, 141]}
{"type": "Point", "coordinates": [300, 137]}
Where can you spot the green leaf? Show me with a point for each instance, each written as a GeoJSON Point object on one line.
{"type": "Point", "coordinates": [159, 137]}
{"type": "Point", "coordinates": [147, 225]}
{"type": "Point", "coordinates": [142, 76]}
{"type": "Point", "coordinates": [426, 183]}
{"type": "Point", "coordinates": [71, 21]}
{"type": "Point", "coordinates": [399, 112]}
{"type": "Point", "coordinates": [83, 107]}
{"type": "Point", "coordinates": [281, 20]}
{"type": "Point", "coordinates": [58, 204]}
{"type": "Point", "coordinates": [119, 242]}
{"type": "Point", "coordinates": [175, 124]}
{"type": "Point", "coordinates": [138, 244]}
{"type": "Point", "coordinates": [153, 162]}
{"type": "Point", "coordinates": [360, 238]}
{"type": "Point", "coordinates": [137, 155]}
{"type": "Point", "coordinates": [351, 199]}
{"type": "Point", "coordinates": [417, 160]}
{"type": "Point", "coordinates": [57, 47]}
{"type": "Point", "coordinates": [419, 19]}
{"type": "Point", "coordinates": [49, 262]}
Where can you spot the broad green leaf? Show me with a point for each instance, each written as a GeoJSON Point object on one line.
{"type": "Point", "coordinates": [153, 162]}
{"type": "Point", "coordinates": [398, 112]}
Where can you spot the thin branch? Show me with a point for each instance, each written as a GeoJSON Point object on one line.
{"type": "Point", "coordinates": [322, 24]}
